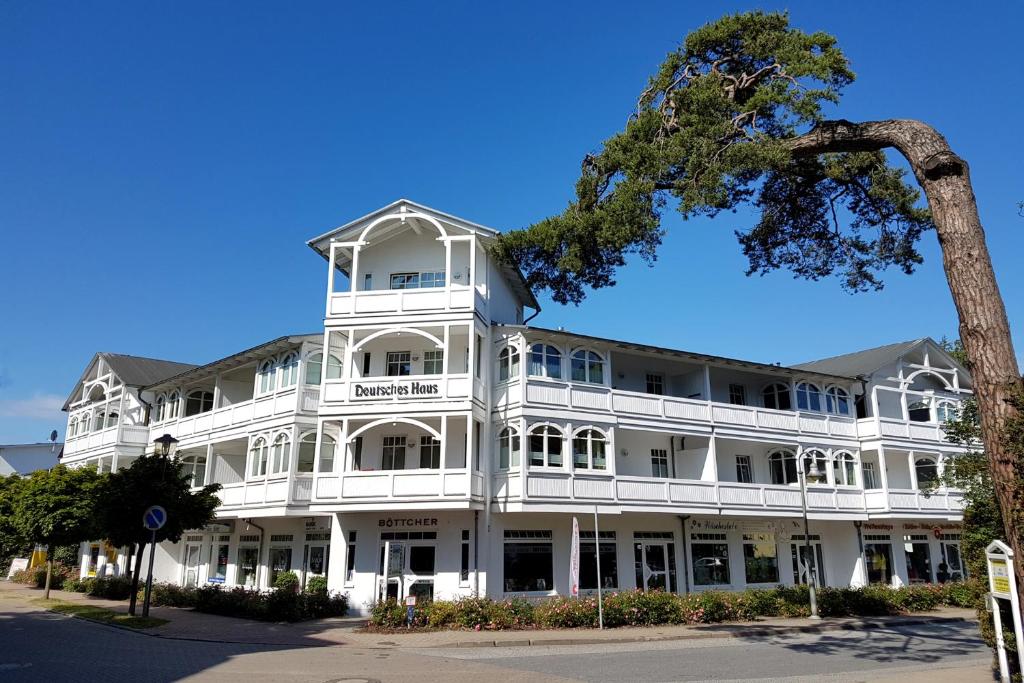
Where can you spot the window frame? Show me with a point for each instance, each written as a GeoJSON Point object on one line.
{"type": "Point", "coordinates": [834, 395]}
{"type": "Point", "coordinates": [508, 363]}
{"type": "Point", "coordinates": [398, 443]}
{"type": "Point", "coordinates": [926, 461]}
{"type": "Point", "coordinates": [545, 358]}
{"type": "Point", "coordinates": [259, 461]}
{"type": "Point", "coordinates": [805, 395]}
{"type": "Point", "coordinates": [744, 462]}
{"type": "Point", "coordinates": [280, 455]}
{"type": "Point", "coordinates": [590, 438]}
{"type": "Point", "coordinates": [591, 360]}
{"type": "Point", "coordinates": [655, 383]}
{"type": "Point", "coordinates": [776, 390]}
{"type": "Point", "coordinates": [203, 397]}
{"type": "Point", "coordinates": [844, 463]}
{"type": "Point", "coordinates": [266, 377]}
{"type": "Point", "coordinates": [393, 360]}
{"type": "Point", "coordinates": [737, 394]}
{"type": "Point", "coordinates": [289, 370]}
{"type": "Point", "coordinates": [660, 459]}
{"type": "Point", "coordinates": [537, 539]}
{"type": "Point", "coordinates": [436, 357]}
{"type": "Point", "coordinates": [549, 434]}
{"type": "Point", "coordinates": [510, 441]}
{"type": "Point", "coordinates": [788, 462]}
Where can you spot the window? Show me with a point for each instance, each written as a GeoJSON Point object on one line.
{"type": "Point", "coordinates": [919, 411]}
{"type": "Point", "coordinates": [760, 558]}
{"type": "Point", "coordinates": [588, 560]}
{"type": "Point", "coordinates": [710, 559]}
{"type": "Point", "coordinates": [282, 454]}
{"type": "Point", "coordinates": [98, 419]}
{"type": "Point", "coordinates": [737, 394]}
{"type": "Point", "coordinates": [266, 376]}
{"type": "Point", "coordinates": [588, 367]}
{"type": "Point", "coordinates": [430, 278]}
{"type": "Point", "coordinates": [476, 360]}
{"type": "Point", "coordinates": [161, 404]}
{"type": "Point", "coordinates": [350, 561]}
{"type": "Point", "coordinates": [366, 364]}
{"type": "Point", "coordinates": [808, 397]}
{"type": "Point", "coordinates": [545, 361]}
{"type": "Point", "coordinates": [430, 453]}
{"type": "Point", "coordinates": [870, 480]}
{"type": "Point", "coordinates": [367, 282]}
{"type": "Point", "coordinates": [112, 418]}
{"type": "Point", "coordinates": [508, 448]}
{"type": "Point", "coordinates": [927, 472]}
{"type": "Point", "coordinates": [588, 450]}
{"type": "Point", "coordinates": [776, 396]}
{"type": "Point", "coordinates": [315, 368]}
{"type": "Point", "coordinates": [393, 453]}
{"type": "Point", "coordinates": [357, 453]}
{"type": "Point", "coordinates": [220, 558]}
{"type": "Point", "coordinates": [464, 559]}
{"type": "Point", "coordinates": [73, 426]}
{"type": "Point", "coordinates": [508, 363]}
{"type": "Point", "coordinates": [919, 560]}
{"type": "Point", "coordinates": [655, 384]}
{"type": "Point", "coordinates": [837, 401]}
{"type": "Point", "coordinates": [198, 401]}
{"type": "Point", "coordinates": [248, 559]}
{"type": "Point", "coordinates": [659, 463]}
{"type": "Point", "coordinates": [172, 406]}
{"type": "Point", "coordinates": [818, 459]}
{"type": "Point", "coordinates": [307, 453]}
{"type": "Point", "coordinates": [545, 446]}
{"type": "Point", "coordinates": [782, 465]}
{"type": "Point", "coordinates": [433, 362]}
{"type": "Point", "coordinates": [258, 458]}
{"type": "Point", "coordinates": [399, 363]}
{"type": "Point", "coordinates": [744, 470]}
{"type": "Point", "coordinates": [289, 370]}
{"type": "Point", "coordinates": [945, 411]}
{"type": "Point", "coordinates": [280, 561]}
{"type": "Point", "coordinates": [326, 454]}
{"type": "Point", "coordinates": [844, 469]}
{"type": "Point", "coordinates": [194, 466]}
{"type": "Point", "coordinates": [528, 562]}
{"type": "Point", "coordinates": [804, 565]}
{"type": "Point", "coordinates": [878, 558]}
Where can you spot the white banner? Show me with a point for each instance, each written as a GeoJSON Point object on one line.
{"type": "Point", "coordinates": [574, 559]}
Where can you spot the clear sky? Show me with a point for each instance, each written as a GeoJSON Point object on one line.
{"type": "Point", "coordinates": [162, 164]}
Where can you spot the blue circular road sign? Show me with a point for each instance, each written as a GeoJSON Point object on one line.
{"type": "Point", "coordinates": [154, 518]}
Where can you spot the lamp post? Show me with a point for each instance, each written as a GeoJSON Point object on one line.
{"type": "Point", "coordinates": [813, 475]}
{"type": "Point", "coordinates": [165, 446]}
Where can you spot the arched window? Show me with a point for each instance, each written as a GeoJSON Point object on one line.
{"type": "Point", "coordinates": [266, 376]}
{"type": "Point", "coordinates": [172, 406]}
{"type": "Point", "coordinates": [837, 401]}
{"type": "Point", "coordinates": [198, 401]}
{"type": "Point", "coordinates": [160, 409]}
{"type": "Point", "coordinates": [808, 397]}
{"type": "Point", "coordinates": [195, 467]}
{"type": "Point", "coordinates": [112, 418]}
{"type": "Point", "coordinates": [782, 465]}
{"type": "Point", "coordinates": [508, 363]}
{"type": "Point", "coordinates": [945, 411]}
{"type": "Point", "coordinates": [83, 424]}
{"type": "Point", "coordinates": [588, 450]}
{"type": "Point", "coordinates": [587, 366]}
{"type": "Point", "coordinates": [545, 446]}
{"type": "Point", "coordinates": [927, 472]}
{"type": "Point", "coordinates": [307, 453]}
{"type": "Point", "coordinates": [258, 458]}
{"type": "Point", "coordinates": [73, 427]}
{"type": "Point", "coordinates": [289, 370]}
{"type": "Point", "coordinates": [776, 396]}
{"type": "Point", "coordinates": [545, 361]}
{"type": "Point", "coordinates": [281, 454]}
{"type": "Point", "coordinates": [508, 448]}
{"type": "Point", "coordinates": [818, 459]}
{"type": "Point", "coordinates": [326, 454]}
{"type": "Point", "coordinates": [920, 411]}
{"type": "Point", "coordinates": [314, 368]}
{"type": "Point", "coordinates": [844, 469]}
{"type": "Point", "coordinates": [98, 419]}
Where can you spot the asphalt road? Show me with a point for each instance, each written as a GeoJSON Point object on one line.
{"type": "Point", "coordinates": [41, 646]}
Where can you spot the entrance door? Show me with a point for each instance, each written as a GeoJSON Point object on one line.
{"type": "Point", "coordinates": [315, 561]}
{"type": "Point", "coordinates": [192, 552]}
{"type": "Point", "coordinates": [654, 566]}
{"type": "Point", "coordinates": [952, 566]}
{"type": "Point", "coordinates": [801, 567]}
{"type": "Point", "coordinates": [407, 568]}
{"type": "Point", "coordinates": [878, 558]}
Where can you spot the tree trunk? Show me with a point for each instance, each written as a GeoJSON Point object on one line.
{"type": "Point", "coordinates": [49, 574]}
{"type": "Point", "coordinates": [984, 330]}
{"type": "Point", "coordinates": [134, 597]}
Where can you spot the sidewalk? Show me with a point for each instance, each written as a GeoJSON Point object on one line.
{"type": "Point", "coordinates": [186, 624]}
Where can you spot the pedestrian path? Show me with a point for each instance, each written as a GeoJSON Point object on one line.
{"type": "Point", "coordinates": [348, 631]}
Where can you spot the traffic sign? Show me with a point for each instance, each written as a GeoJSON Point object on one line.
{"type": "Point", "coordinates": [154, 518]}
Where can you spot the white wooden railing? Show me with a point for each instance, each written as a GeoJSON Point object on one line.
{"type": "Point", "coordinates": [453, 297]}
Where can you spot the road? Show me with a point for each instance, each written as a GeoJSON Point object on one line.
{"type": "Point", "coordinates": [41, 646]}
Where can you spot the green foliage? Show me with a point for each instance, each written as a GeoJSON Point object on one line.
{"type": "Point", "coordinates": [316, 584]}
{"type": "Point", "coordinates": [110, 587]}
{"type": "Point", "coordinates": [12, 541]}
{"type": "Point", "coordinates": [172, 595]}
{"type": "Point", "coordinates": [712, 131]}
{"type": "Point", "coordinates": [67, 554]}
{"type": "Point", "coordinates": [277, 605]}
{"type": "Point", "coordinates": [57, 507]}
{"type": "Point", "coordinates": [287, 581]}
{"type": "Point", "coordinates": [37, 576]}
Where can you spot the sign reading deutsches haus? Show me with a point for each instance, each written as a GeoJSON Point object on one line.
{"type": "Point", "coordinates": [414, 389]}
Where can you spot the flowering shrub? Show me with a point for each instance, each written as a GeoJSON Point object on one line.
{"type": "Point", "coordinates": [275, 605]}
{"type": "Point", "coordinates": [639, 608]}
{"type": "Point", "coordinates": [37, 576]}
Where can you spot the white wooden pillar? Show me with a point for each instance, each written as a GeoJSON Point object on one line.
{"type": "Point", "coordinates": [469, 443]}
{"type": "Point", "coordinates": [444, 440]}
{"type": "Point", "coordinates": [707, 382]}
{"type": "Point", "coordinates": [913, 470]}
{"type": "Point", "coordinates": [354, 273]}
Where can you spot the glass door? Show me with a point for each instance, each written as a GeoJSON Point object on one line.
{"type": "Point", "coordinates": [392, 564]}
{"type": "Point", "coordinates": [952, 566]}
{"type": "Point", "coordinates": [801, 568]}
{"type": "Point", "coordinates": [653, 566]}
{"type": "Point", "coordinates": [192, 551]}
{"type": "Point", "coordinates": [407, 569]}
{"type": "Point", "coordinates": [315, 561]}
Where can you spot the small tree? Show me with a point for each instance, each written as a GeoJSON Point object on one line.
{"type": "Point", "coordinates": [151, 480]}
{"type": "Point", "coordinates": [12, 541]}
{"type": "Point", "coordinates": [57, 507]}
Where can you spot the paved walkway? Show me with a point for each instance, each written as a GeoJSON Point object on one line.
{"type": "Point", "coordinates": [190, 625]}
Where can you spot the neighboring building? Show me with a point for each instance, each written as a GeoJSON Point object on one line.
{"type": "Point", "coordinates": [26, 458]}
{"type": "Point", "coordinates": [427, 442]}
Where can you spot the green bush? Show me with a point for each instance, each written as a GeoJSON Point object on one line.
{"type": "Point", "coordinates": [276, 605]}
{"type": "Point", "coordinates": [316, 584]}
{"type": "Point", "coordinates": [37, 576]}
{"type": "Point", "coordinates": [110, 587]}
{"type": "Point", "coordinates": [172, 595]}
{"type": "Point", "coordinates": [287, 581]}
{"type": "Point", "coordinates": [77, 585]}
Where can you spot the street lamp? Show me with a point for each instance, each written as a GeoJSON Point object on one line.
{"type": "Point", "coordinates": [166, 445]}
{"type": "Point", "coordinates": [814, 475]}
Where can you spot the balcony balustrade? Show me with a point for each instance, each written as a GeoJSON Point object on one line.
{"type": "Point", "coordinates": [884, 427]}
{"type": "Point", "coordinates": [398, 485]}
{"type": "Point", "coordinates": [397, 301]}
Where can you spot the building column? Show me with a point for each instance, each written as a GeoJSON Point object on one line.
{"type": "Point", "coordinates": [338, 564]}
{"type": "Point", "coordinates": [913, 470]}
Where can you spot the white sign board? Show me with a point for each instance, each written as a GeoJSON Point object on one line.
{"type": "Point", "coordinates": [1002, 584]}
{"type": "Point", "coordinates": [17, 564]}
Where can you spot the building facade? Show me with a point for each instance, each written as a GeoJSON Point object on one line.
{"type": "Point", "coordinates": [430, 442]}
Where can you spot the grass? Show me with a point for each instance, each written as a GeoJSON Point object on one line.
{"type": "Point", "coordinates": [100, 614]}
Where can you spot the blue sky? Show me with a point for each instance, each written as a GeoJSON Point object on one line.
{"type": "Point", "coordinates": [162, 164]}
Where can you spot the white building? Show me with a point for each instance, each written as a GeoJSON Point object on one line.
{"type": "Point", "coordinates": [25, 458]}
{"type": "Point", "coordinates": [428, 442]}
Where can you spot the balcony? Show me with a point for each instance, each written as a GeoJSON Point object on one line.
{"type": "Point", "coordinates": [409, 388]}
{"type": "Point", "coordinates": [266, 492]}
{"type": "Point", "coordinates": [398, 486]}
{"type": "Point", "coordinates": [908, 500]}
{"type": "Point", "coordinates": [227, 418]}
{"type": "Point", "coordinates": [894, 428]}
{"type": "Point", "coordinates": [403, 301]}
{"type": "Point", "coordinates": [130, 435]}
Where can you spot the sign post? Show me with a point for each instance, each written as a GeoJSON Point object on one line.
{"type": "Point", "coordinates": [574, 560]}
{"type": "Point", "coordinates": [153, 519]}
{"type": "Point", "coordinates": [1002, 584]}
{"type": "Point", "coordinates": [410, 610]}
{"type": "Point", "coordinates": [597, 556]}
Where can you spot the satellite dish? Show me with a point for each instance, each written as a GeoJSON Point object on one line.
{"type": "Point", "coordinates": [53, 436]}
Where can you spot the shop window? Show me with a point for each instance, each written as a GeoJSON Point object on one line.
{"type": "Point", "coordinates": [350, 561]}
{"type": "Point", "coordinates": [248, 561]}
{"type": "Point", "coordinates": [508, 363]}
{"type": "Point", "coordinates": [464, 559]}
{"type": "Point", "coordinates": [198, 401]}
{"type": "Point", "coordinates": [508, 448]}
{"type": "Point", "coordinates": [782, 466]}
{"type": "Point", "coordinates": [710, 554]}
{"type": "Point", "coordinates": [760, 558]}
{"type": "Point", "coordinates": [545, 446]}
{"type": "Point", "coordinates": [528, 562]}
{"type": "Point", "coordinates": [433, 362]}
{"type": "Point", "coordinates": [398, 364]}
{"type": "Point", "coordinates": [737, 394]}
{"type": "Point", "coordinates": [744, 470]}
{"type": "Point", "coordinates": [776, 396]}
{"type": "Point", "coordinates": [545, 361]}
{"type": "Point", "coordinates": [916, 548]}
{"type": "Point", "coordinates": [587, 366]}
{"type": "Point", "coordinates": [808, 397]}
{"type": "Point", "coordinates": [927, 472]}
{"type": "Point", "coordinates": [919, 411]}
{"type": "Point", "coordinates": [280, 561]}
{"type": "Point", "coordinates": [878, 558]}
{"type": "Point", "coordinates": [589, 549]}
{"type": "Point", "coordinates": [659, 463]}
{"type": "Point", "coordinates": [430, 453]}
{"type": "Point", "coordinates": [655, 384]}
{"type": "Point", "coordinates": [837, 401]}
{"type": "Point", "coordinates": [289, 370]}
{"type": "Point", "coordinates": [588, 450]}
{"type": "Point", "coordinates": [220, 563]}
{"type": "Point", "coordinates": [393, 453]}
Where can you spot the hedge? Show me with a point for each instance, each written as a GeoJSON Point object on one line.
{"type": "Point", "coordinates": [283, 604]}
{"type": "Point", "coordinates": [37, 576]}
{"type": "Point", "coordinates": [637, 608]}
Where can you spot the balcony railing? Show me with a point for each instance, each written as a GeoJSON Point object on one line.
{"type": "Point", "coordinates": [386, 301]}
{"type": "Point", "coordinates": [873, 428]}
{"type": "Point", "coordinates": [132, 435]}
{"type": "Point", "coordinates": [303, 398]}
{"type": "Point", "coordinates": [397, 485]}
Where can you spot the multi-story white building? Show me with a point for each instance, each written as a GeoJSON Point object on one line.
{"type": "Point", "coordinates": [429, 442]}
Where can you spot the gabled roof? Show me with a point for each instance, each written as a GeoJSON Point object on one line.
{"type": "Point", "coordinates": [862, 362]}
{"type": "Point", "coordinates": [511, 273]}
{"type": "Point", "coordinates": [134, 371]}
